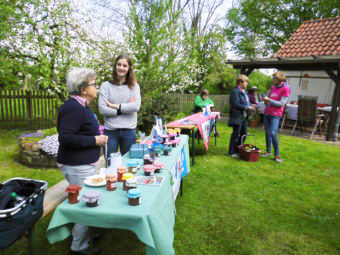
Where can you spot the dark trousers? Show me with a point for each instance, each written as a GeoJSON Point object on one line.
{"type": "Point", "coordinates": [123, 138]}
{"type": "Point", "coordinates": [235, 138]}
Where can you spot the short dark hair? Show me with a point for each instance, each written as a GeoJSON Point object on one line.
{"type": "Point", "coordinates": [204, 92]}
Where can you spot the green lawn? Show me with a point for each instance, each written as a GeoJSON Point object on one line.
{"type": "Point", "coordinates": [231, 206]}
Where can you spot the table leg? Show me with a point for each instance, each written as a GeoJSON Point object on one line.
{"type": "Point", "coordinates": [193, 145]}
{"type": "Point", "coordinates": [181, 188]}
{"type": "Point", "coordinates": [215, 132]}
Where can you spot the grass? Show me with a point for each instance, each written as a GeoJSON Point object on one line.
{"type": "Point", "coordinates": [231, 206]}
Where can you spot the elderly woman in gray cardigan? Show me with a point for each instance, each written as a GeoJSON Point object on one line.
{"type": "Point", "coordinates": [119, 102]}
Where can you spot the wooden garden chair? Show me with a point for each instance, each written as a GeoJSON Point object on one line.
{"type": "Point", "coordinates": [308, 115]}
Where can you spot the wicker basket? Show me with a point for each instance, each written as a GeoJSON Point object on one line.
{"type": "Point", "coordinates": [249, 152]}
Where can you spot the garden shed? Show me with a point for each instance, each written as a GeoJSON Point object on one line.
{"type": "Point", "coordinates": [311, 60]}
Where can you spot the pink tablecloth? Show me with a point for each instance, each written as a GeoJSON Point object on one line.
{"type": "Point", "coordinates": [203, 123]}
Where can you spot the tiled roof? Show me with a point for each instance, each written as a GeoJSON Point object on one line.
{"type": "Point", "coordinates": [317, 37]}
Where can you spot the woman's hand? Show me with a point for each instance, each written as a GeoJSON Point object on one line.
{"type": "Point", "coordinates": [101, 140]}
{"type": "Point", "coordinates": [132, 100]}
{"type": "Point", "coordinates": [113, 106]}
{"type": "Point", "coordinates": [266, 100]}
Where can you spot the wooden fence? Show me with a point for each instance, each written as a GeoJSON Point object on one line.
{"type": "Point", "coordinates": [26, 109]}
{"type": "Point", "coordinates": [186, 102]}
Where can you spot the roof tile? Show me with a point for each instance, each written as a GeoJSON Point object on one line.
{"type": "Point", "coordinates": [316, 37]}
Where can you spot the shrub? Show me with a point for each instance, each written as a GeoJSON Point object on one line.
{"type": "Point", "coordinates": [180, 115]}
{"type": "Point", "coordinates": [160, 105]}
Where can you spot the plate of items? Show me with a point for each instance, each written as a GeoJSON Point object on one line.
{"type": "Point", "coordinates": [95, 180]}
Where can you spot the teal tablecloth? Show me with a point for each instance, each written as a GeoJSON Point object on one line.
{"type": "Point", "coordinates": [152, 221]}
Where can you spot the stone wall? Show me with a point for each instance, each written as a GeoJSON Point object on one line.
{"type": "Point", "coordinates": [30, 155]}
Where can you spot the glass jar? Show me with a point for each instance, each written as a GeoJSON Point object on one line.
{"type": "Point", "coordinates": [91, 198]}
{"type": "Point", "coordinates": [149, 170]}
{"type": "Point", "coordinates": [172, 136]}
{"type": "Point", "coordinates": [131, 183]}
{"type": "Point", "coordinates": [164, 138]}
{"type": "Point", "coordinates": [132, 167]}
{"type": "Point", "coordinates": [111, 182]}
{"type": "Point", "coordinates": [166, 150]}
{"type": "Point", "coordinates": [177, 131]}
{"type": "Point", "coordinates": [125, 177]}
{"type": "Point", "coordinates": [134, 196]}
{"type": "Point", "coordinates": [158, 166]}
{"type": "Point", "coordinates": [147, 159]}
{"type": "Point", "coordinates": [73, 193]}
{"type": "Point", "coordinates": [121, 171]}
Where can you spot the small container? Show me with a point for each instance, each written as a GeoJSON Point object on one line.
{"type": "Point", "coordinates": [147, 159]}
{"type": "Point", "coordinates": [111, 182]}
{"type": "Point", "coordinates": [73, 193]}
{"type": "Point", "coordinates": [132, 167]}
{"type": "Point", "coordinates": [126, 176]}
{"type": "Point", "coordinates": [177, 131]}
{"type": "Point", "coordinates": [169, 131]}
{"type": "Point", "coordinates": [173, 144]}
{"type": "Point", "coordinates": [134, 196]}
{"type": "Point", "coordinates": [158, 166]}
{"type": "Point", "coordinates": [121, 170]}
{"type": "Point", "coordinates": [91, 198]}
{"type": "Point", "coordinates": [158, 151]}
{"type": "Point", "coordinates": [152, 152]}
{"type": "Point", "coordinates": [164, 138]}
{"type": "Point", "coordinates": [131, 183]}
{"type": "Point", "coordinates": [172, 136]}
{"type": "Point", "coordinates": [149, 170]}
{"type": "Point", "coordinates": [166, 150]}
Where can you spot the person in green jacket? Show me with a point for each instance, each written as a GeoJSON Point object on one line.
{"type": "Point", "coordinates": [201, 101]}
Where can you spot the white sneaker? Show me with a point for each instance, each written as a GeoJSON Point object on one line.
{"type": "Point", "coordinates": [266, 155]}
{"type": "Point", "coordinates": [234, 155]}
{"type": "Point", "coordinates": [278, 159]}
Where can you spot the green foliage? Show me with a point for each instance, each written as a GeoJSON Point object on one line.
{"type": "Point", "coordinates": [180, 115]}
{"type": "Point", "coordinates": [260, 80]}
{"type": "Point", "coordinates": [160, 105]}
{"type": "Point", "coordinates": [49, 132]}
{"type": "Point", "coordinates": [275, 21]}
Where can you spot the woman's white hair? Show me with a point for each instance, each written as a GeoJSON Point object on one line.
{"type": "Point", "coordinates": [77, 77]}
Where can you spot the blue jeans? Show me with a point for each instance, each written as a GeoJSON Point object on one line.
{"type": "Point", "coordinates": [271, 126]}
{"type": "Point", "coordinates": [122, 137]}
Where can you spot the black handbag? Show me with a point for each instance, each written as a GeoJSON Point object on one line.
{"type": "Point", "coordinates": [16, 217]}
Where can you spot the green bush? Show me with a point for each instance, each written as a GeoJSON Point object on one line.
{"type": "Point", "coordinates": [180, 115]}
{"type": "Point", "coordinates": [156, 105]}
{"type": "Point", "coordinates": [49, 132]}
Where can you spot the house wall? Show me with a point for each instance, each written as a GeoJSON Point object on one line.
{"type": "Point", "coordinates": [310, 83]}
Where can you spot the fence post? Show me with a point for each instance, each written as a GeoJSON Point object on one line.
{"type": "Point", "coordinates": [29, 107]}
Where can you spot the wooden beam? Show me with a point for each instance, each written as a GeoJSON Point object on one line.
{"type": "Point", "coordinates": [250, 69]}
{"type": "Point", "coordinates": [330, 72]}
{"type": "Point", "coordinates": [247, 71]}
{"type": "Point", "coordinates": [335, 103]}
